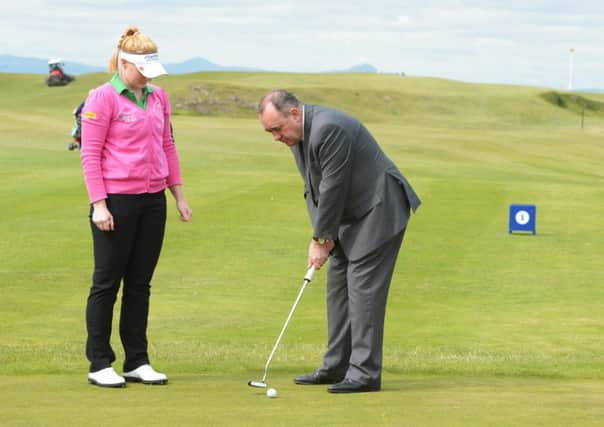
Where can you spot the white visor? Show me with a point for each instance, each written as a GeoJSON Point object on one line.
{"type": "Point", "coordinates": [147, 63]}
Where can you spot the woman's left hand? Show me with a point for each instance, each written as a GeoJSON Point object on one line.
{"type": "Point", "coordinates": [184, 211]}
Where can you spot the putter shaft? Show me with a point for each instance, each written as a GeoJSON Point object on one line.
{"type": "Point", "coordinates": [307, 280]}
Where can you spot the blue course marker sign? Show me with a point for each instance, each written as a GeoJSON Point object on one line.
{"type": "Point", "coordinates": [523, 218]}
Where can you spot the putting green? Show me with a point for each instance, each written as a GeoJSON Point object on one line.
{"type": "Point", "coordinates": [226, 400]}
{"type": "Point", "coordinates": [482, 328]}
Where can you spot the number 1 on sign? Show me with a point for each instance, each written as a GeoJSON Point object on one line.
{"type": "Point", "coordinates": [523, 217]}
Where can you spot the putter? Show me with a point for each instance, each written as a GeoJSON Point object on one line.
{"type": "Point", "coordinates": [307, 279]}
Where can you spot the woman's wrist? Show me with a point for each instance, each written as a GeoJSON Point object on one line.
{"type": "Point", "coordinates": [99, 204]}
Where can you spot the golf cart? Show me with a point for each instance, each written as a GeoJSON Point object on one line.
{"type": "Point", "coordinates": [56, 75]}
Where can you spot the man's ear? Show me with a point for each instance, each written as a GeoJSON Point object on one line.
{"type": "Point", "coordinates": [295, 112]}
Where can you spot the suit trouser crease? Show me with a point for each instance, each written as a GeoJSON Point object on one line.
{"type": "Point", "coordinates": [357, 292]}
{"type": "Point", "coordinates": [129, 253]}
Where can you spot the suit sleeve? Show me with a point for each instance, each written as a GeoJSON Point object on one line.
{"type": "Point", "coordinates": [333, 151]}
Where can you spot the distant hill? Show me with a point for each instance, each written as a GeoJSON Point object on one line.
{"type": "Point", "coordinates": [201, 64]}
{"type": "Point", "coordinates": [360, 68]}
{"type": "Point", "coordinates": [18, 64]}
{"type": "Point", "coordinates": [591, 90]}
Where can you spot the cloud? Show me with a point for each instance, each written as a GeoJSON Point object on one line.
{"type": "Point", "coordinates": [475, 40]}
{"type": "Point", "coordinates": [403, 20]}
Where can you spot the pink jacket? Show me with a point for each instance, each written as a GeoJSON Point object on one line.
{"type": "Point", "coordinates": [125, 149]}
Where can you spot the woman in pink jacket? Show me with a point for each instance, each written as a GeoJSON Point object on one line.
{"type": "Point", "coordinates": [129, 158]}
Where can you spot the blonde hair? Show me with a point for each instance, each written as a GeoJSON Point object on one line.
{"type": "Point", "coordinates": [132, 41]}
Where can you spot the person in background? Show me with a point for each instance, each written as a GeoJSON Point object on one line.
{"type": "Point", "coordinates": [359, 205]}
{"type": "Point", "coordinates": [76, 131]}
{"type": "Point", "coordinates": [128, 158]}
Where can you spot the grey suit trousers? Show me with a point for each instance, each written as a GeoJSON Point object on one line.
{"type": "Point", "coordinates": [356, 305]}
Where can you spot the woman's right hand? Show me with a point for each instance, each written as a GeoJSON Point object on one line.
{"type": "Point", "coordinates": [101, 217]}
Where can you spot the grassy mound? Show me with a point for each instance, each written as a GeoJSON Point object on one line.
{"type": "Point", "coordinates": [376, 98]}
{"type": "Point", "coordinates": [574, 102]}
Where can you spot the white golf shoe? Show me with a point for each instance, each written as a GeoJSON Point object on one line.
{"type": "Point", "coordinates": [147, 375]}
{"type": "Point", "coordinates": [106, 378]}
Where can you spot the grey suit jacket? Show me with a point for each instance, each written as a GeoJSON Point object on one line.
{"type": "Point", "coordinates": [353, 191]}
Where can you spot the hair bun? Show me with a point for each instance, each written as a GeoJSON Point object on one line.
{"type": "Point", "coordinates": [131, 31]}
{"type": "Point", "coordinates": [128, 32]}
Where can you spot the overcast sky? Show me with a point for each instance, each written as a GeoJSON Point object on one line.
{"type": "Point", "coordinates": [523, 42]}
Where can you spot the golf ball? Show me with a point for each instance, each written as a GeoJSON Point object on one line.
{"type": "Point", "coordinates": [271, 392]}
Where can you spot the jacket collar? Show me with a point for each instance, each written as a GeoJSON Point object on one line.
{"type": "Point", "coordinates": [307, 112]}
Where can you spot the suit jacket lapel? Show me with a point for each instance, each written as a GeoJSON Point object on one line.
{"type": "Point", "coordinates": [299, 156]}
{"type": "Point", "coordinates": [300, 151]}
{"type": "Point", "coordinates": [308, 116]}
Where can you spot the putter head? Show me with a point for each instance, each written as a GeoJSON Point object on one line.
{"type": "Point", "coordinates": [257, 384]}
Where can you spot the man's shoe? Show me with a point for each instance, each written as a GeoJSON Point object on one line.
{"type": "Point", "coordinates": [352, 386]}
{"type": "Point", "coordinates": [317, 377]}
{"type": "Point", "coordinates": [146, 374]}
{"type": "Point", "coordinates": [106, 378]}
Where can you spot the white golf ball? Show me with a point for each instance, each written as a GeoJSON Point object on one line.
{"type": "Point", "coordinates": [271, 392]}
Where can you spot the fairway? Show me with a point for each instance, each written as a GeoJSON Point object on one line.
{"type": "Point", "coordinates": [483, 328]}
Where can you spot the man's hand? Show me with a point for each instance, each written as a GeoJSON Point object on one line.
{"type": "Point", "coordinates": [318, 253]}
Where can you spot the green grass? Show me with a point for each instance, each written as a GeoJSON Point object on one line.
{"type": "Point", "coordinates": [482, 328]}
{"type": "Point", "coordinates": [210, 400]}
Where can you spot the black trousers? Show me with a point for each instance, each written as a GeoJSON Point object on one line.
{"type": "Point", "coordinates": [128, 253]}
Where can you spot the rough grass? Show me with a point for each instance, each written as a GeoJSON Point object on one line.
{"type": "Point", "coordinates": [573, 102]}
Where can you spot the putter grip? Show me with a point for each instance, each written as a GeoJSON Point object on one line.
{"type": "Point", "coordinates": [309, 273]}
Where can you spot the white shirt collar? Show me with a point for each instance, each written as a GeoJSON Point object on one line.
{"type": "Point", "coordinates": [302, 122]}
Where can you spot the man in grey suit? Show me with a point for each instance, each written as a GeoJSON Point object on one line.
{"type": "Point", "coordinates": [359, 204]}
